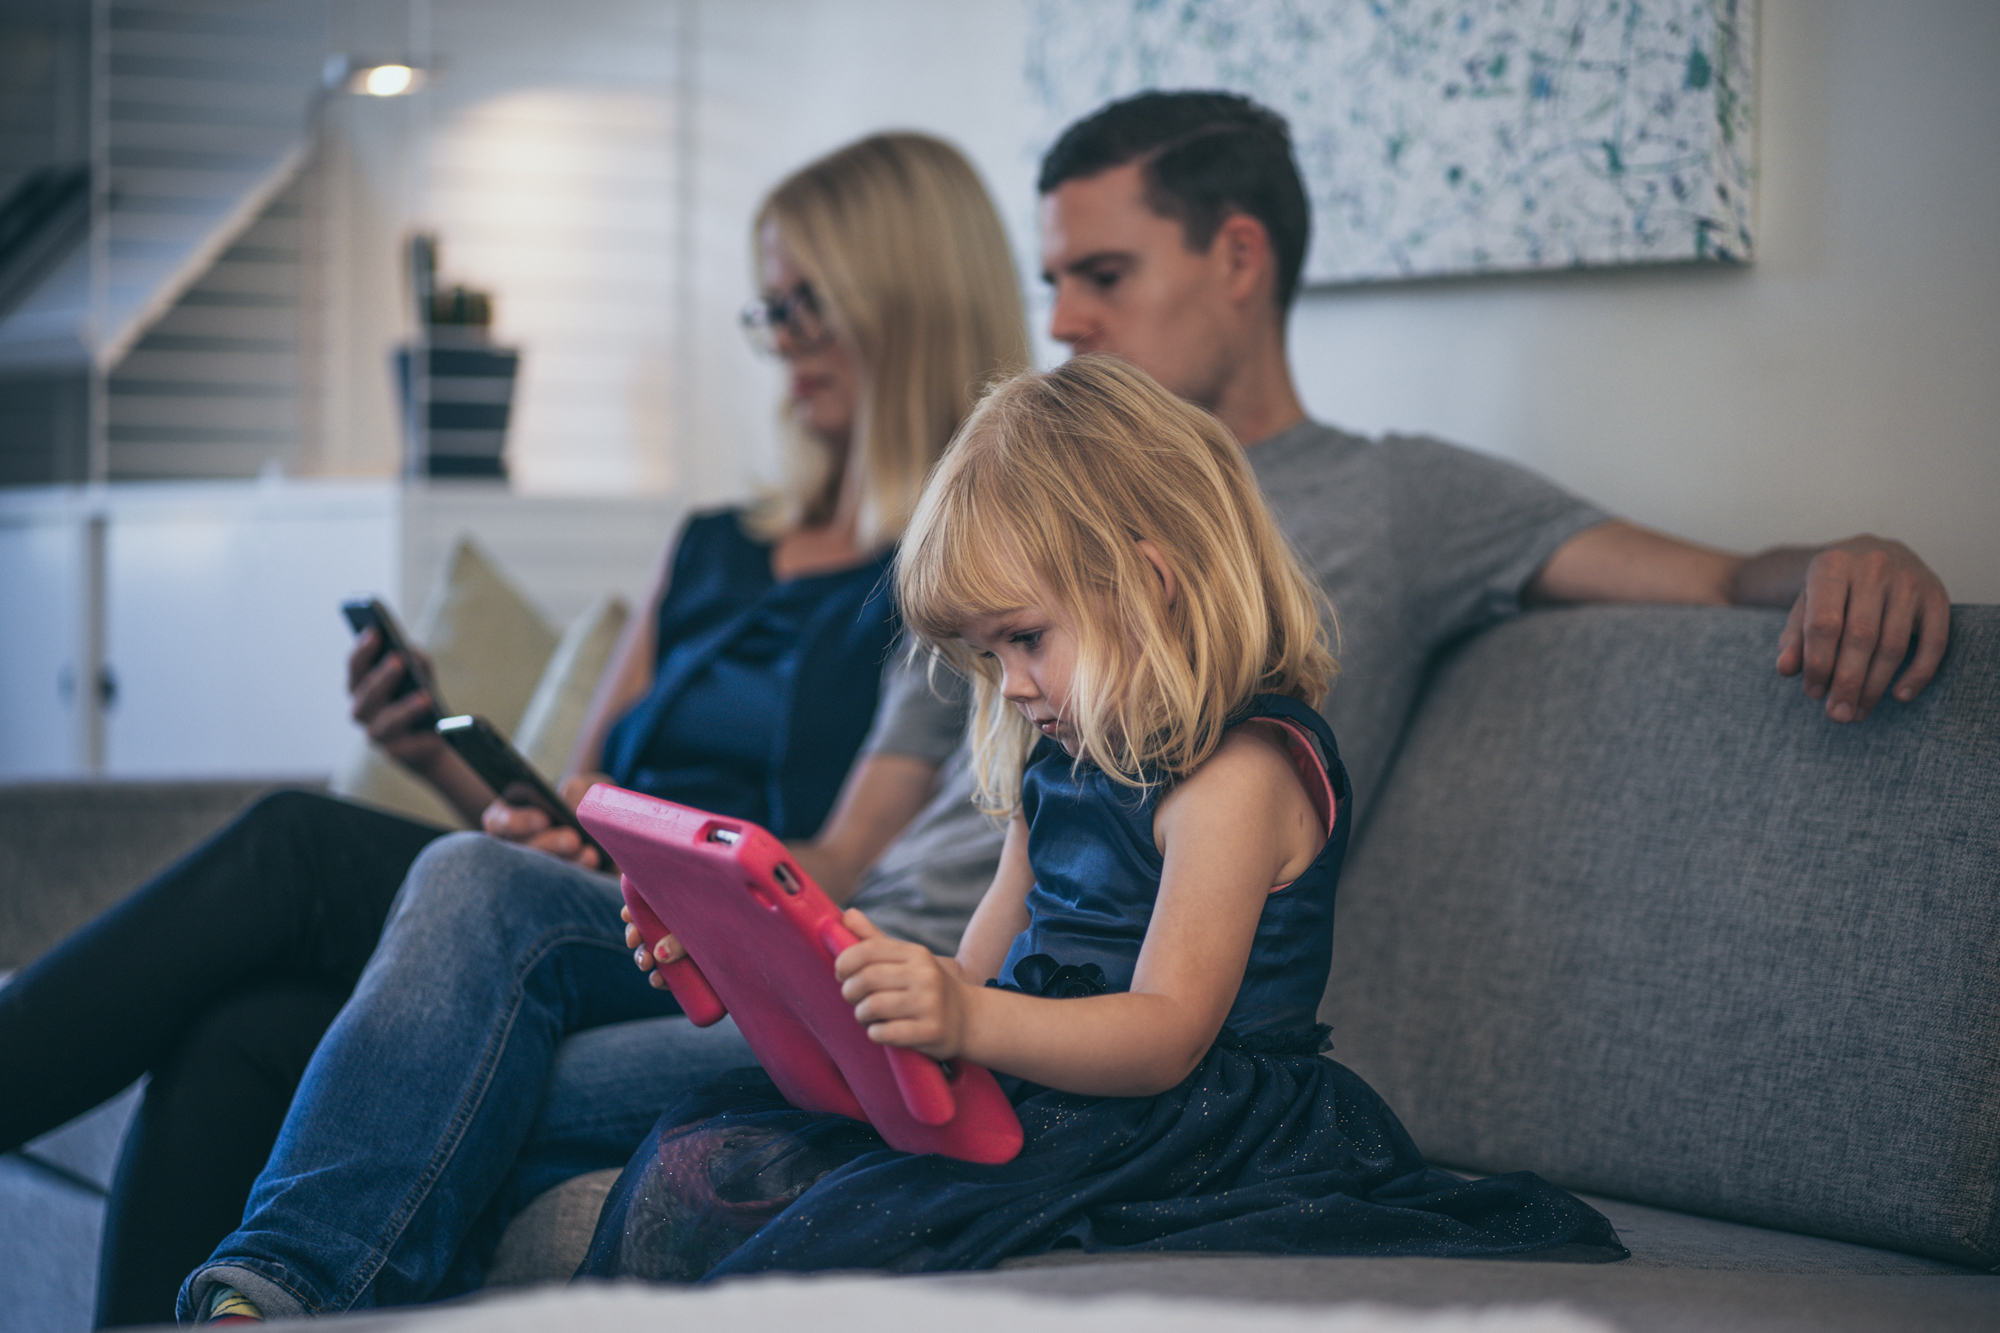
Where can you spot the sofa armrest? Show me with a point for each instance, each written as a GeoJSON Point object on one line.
{"type": "Point", "coordinates": [68, 850]}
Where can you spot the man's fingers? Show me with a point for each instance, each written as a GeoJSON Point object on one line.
{"type": "Point", "coordinates": [1791, 640]}
{"type": "Point", "coordinates": [1890, 645]}
{"type": "Point", "coordinates": [1824, 618]}
{"type": "Point", "coordinates": [1857, 649]}
{"type": "Point", "coordinates": [1933, 632]}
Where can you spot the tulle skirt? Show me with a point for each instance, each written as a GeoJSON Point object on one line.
{"type": "Point", "coordinates": [1253, 1151]}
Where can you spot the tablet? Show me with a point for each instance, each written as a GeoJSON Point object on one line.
{"type": "Point", "coordinates": [761, 939]}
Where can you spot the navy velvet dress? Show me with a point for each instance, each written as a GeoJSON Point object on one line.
{"type": "Point", "coordinates": [1267, 1146]}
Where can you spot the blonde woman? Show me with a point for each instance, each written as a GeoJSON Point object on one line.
{"type": "Point", "coordinates": [1147, 660]}
{"type": "Point", "coordinates": [887, 288]}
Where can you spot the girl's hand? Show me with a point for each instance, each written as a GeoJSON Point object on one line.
{"type": "Point", "coordinates": [902, 992]}
{"type": "Point", "coordinates": [668, 950]}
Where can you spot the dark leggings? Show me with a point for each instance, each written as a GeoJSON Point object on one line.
{"type": "Point", "coordinates": [218, 978]}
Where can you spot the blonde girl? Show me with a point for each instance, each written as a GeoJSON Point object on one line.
{"type": "Point", "coordinates": [1145, 970]}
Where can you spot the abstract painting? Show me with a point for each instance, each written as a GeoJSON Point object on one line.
{"type": "Point", "coordinates": [1473, 136]}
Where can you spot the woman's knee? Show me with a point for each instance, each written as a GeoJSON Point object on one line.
{"type": "Point", "coordinates": [286, 813]}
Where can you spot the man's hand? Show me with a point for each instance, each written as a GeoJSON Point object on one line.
{"type": "Point", "coordinates": [1851, 625]}
{"type": "Point", "coordinates": [904, 994]}
{"type": "Point", "coordinates": [531, 827]}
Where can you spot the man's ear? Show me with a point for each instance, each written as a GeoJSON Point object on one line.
{"type": "Point", "coordinates": [1252, 266]}
{"type": "Point", "coordinates": [1162, 568]}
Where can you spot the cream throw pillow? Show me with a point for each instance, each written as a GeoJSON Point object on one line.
{"type": "Point", "coordinates": [488, 646]}
{"type": "Point", "coordinates": [554, 717]}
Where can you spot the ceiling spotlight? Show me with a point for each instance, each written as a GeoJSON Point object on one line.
{"type": "Point", "coordinates": [386, 80]}
{"type": "Point", "coordinates": [373, 78]}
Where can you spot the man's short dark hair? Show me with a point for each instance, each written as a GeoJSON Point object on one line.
{"type": "Point", "coordinates": [1203, 156]}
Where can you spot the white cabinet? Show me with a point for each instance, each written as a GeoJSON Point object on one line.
{"type": "Point", "coordinates": [220, 616]}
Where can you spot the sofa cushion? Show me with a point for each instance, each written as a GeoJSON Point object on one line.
{"type": "Point", "coordinates": [1632, 913]}
{"type": "Point", "coordinates": [488, 646]}
{"type": "Point", "coordinates": [555, 713]}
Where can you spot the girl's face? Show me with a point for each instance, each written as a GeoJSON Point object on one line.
{"type": "Point", "coordinates": [825, 388]}
{"type": "Point", "coordinates": [1035, 648]}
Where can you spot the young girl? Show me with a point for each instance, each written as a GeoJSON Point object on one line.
{"type": "Point", "coordinates": [1146, 967]}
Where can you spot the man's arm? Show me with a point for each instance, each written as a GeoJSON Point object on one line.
{"type": "Point", "coordinates": [1855, 604]}
{"type": "Point", "coordinates": [883, 793]}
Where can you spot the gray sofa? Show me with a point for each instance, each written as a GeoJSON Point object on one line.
{"type": "Point", "coordinates": [1628, 912]}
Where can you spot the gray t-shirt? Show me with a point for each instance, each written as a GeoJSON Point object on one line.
{"type": "Point", "coordinates": [1418, 543]}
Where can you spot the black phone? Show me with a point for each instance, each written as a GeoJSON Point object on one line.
{"type": "Point", "coordinates": [366, 613]}
{"type": "Point", "coordinates": [507, 771]}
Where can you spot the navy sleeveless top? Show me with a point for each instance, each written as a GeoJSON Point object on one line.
{"type": "Point", "coordinates": [763, 690]}
{"type": "Point", "coordinates": [1097, 873]}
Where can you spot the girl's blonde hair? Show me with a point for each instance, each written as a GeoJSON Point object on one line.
{"type": "Point", "coordinates": [1043, 498]}
{"type": "Point", "coordinates": [909, 264]}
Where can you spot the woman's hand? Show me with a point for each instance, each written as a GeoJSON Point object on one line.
{"type": "Point", "coordinates": [668, 950]}
{"type": "Point", "coordinates": [531, 826]}
{"type": "Point", "coordinates": [402, 727]}
{"type": "Point", "coordinates": [902, 992]}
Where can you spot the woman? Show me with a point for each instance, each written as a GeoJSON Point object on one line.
{"type": "Point", "coordinates": [889, 292]}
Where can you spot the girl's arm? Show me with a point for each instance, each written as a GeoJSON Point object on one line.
{"type": "Point", "coordinates": [1240, 825]}
{"type": "Point", "coordinates": [1002, 913]}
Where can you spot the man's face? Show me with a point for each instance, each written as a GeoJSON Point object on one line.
{"type": "Point", "coordinates": [1125, 282]}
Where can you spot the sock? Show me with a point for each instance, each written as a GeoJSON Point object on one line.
{"type": "Point", "coordinates": [227, 1305]}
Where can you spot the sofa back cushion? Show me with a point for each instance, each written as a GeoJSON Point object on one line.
{"type": "Point", "coordinates": [1632, 913]}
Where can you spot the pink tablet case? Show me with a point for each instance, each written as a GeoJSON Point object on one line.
{"type": "Point", "coordinates": [761, 939]}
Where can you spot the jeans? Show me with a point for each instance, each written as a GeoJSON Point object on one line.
{"type": "Point", "coordinates": [216, 977]}
{"type": "Point", "coordinates": [427, 1116]}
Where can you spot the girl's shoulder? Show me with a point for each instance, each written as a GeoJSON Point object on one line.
{"type": "Point", "coordinates": [1272, 780]}
{"type": "Point", "coordinates": [1254, 762]}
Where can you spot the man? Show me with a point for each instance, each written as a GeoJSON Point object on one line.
{"type": "Point", "coordinates": [1173, 230]}
{"type": "Point", "coordinates": [1173, 234]}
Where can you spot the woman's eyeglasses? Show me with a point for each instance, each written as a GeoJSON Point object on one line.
{"type": "Point", "coordinates": [796, 313]}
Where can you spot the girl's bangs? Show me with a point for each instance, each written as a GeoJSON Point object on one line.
{"type": "Point", "coordinates": [960, 569]}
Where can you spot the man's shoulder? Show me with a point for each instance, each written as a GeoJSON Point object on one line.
{"type": "Point", "coordinates": [1315, 449]}
{"type": "Point", "coordinates": [1308, 440]}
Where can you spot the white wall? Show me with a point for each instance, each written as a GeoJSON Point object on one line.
{"type": "Point", "coordinates": [1848, 380]}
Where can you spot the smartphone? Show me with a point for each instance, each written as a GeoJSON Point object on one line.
{"type": "Point", "coordinates": [508, 772]}
{"type": "Point", "coordinates": [366, 613]}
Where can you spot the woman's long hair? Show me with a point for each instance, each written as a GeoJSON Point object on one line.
{"type": "Point", "coordinates": [1044, 497]}
{"type": "Point", "coordinates": [910, 266]}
